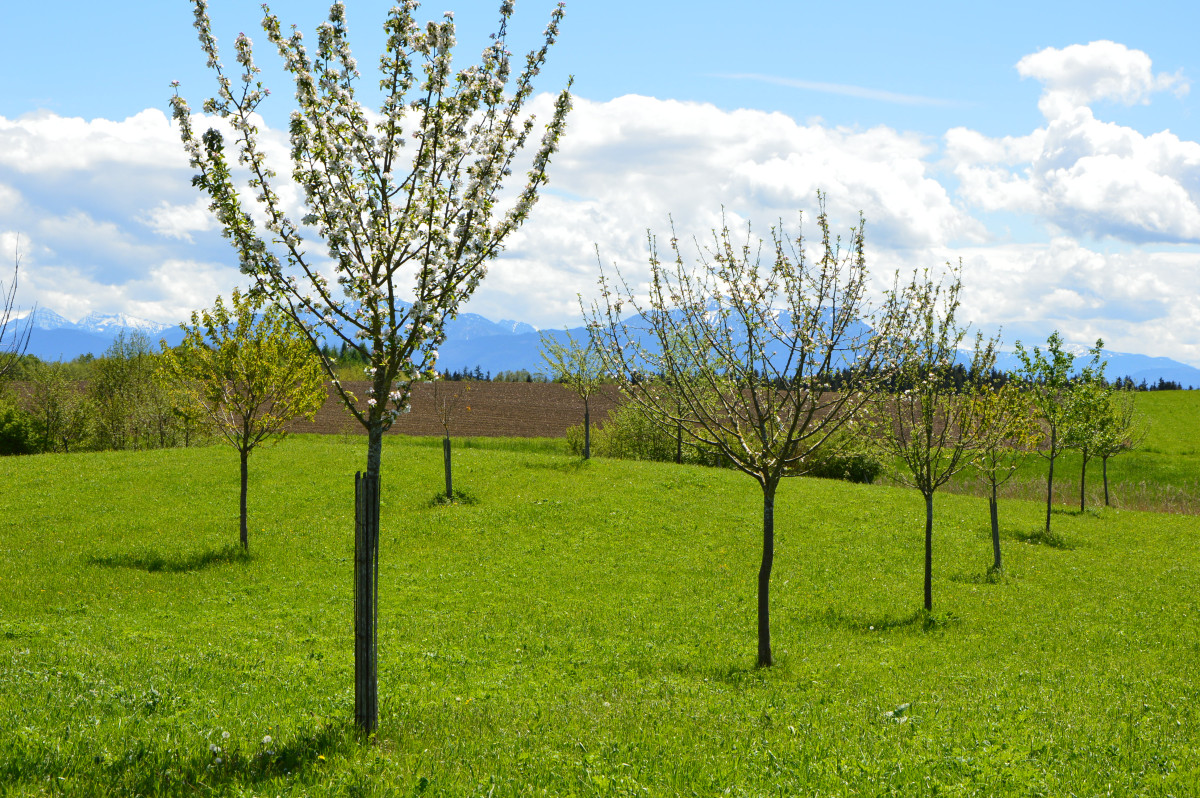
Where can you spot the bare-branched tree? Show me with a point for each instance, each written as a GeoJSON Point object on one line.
{"type": "Point", "coordinates": [741, 352]}
{"type": "Point", "coordinates": [932, 421]}
{"type": "Point", "coordinates": [1006, 411]}
{"type": "Point", "coordinates": [1123, 431]}
{"type": "Point", "coordinates": [578, 366]}
{"type": "Point", "coordinates": [14, 330]}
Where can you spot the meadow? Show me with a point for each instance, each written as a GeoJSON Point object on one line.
{"type": "Point", "coordinates": [584, 629]}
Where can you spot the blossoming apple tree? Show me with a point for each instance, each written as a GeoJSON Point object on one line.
{"type": "Point", "coordinates": [403, 199]}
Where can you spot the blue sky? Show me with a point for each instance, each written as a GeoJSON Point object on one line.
{"type": "Point", "coordinates": [1051, 146]}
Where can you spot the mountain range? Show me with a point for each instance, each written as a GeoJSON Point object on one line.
{"type": "Point", "coordinates": [472, 340]}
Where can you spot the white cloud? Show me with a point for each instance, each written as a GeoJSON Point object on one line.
{"type": "Point", "coordinates": [1137, 301]}
{"type": "Point", "coordinates": [1084, 175]}
{"type": "Point", "coordinates": [629, 164]}
{"type": "Point", "coordinates": [45, 142]}
{"type": "Point", "coordinates": [10, 199]}
{"type": "Point", "coordinates": [1078, 75]}
{"type": "Point", "coordinates": [180, 221]}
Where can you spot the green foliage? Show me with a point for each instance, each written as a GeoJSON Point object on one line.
{"type": "Point", "coordinates": [628, 433]}
{"type": "Point", "coordinates": [246, 369]}
{"type": "Point", "coordinates": [847, 456]}
{"type": "Point", "coordinates": [519, 375]}
{"type": "Point", "coordinates": [590, 634]}
{"type": "Point", "coordinates": [17, 433]}
{"type": "Point", "coordinates": [61, 410]}
{"type": "Point", "coordinates": [132, 407]}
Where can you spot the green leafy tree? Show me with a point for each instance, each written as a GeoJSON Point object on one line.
{"type": "Point", "coordinates": [412, 194]}
{"type": "Point", "coordinates": [1015, 433]}
{"type": "Point", "coordinates": [61, 412]}
{"type": "Point", "coordinates": [931, 424]}
{"type": "Point", "coordinates": [744, 348]}
{"type": "Point", "coordinates": [249, 371]}
{"type": "Point", "coordinates": [1123, 430]}
{"type": "Point", "coordinates": [579, 367]}
{"type": "Point", "coordinates": [131, 407]}
{"type": "Point", "coordinates": [1046, 378]}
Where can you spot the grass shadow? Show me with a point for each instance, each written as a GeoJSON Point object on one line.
{"type": "Point", "coordinates": [1040, 537]}
{"type": "Point", "coordinates": [920, 620]}
{"type": "Point", "coordinates": [574, 465]}
{"type": "Point", "coordinates": [154, 562]}
{"type": "Point", "coordinates": [992, 576]}
{"type": "Point", "coordinates": [459, 497]}
{"type": "Point", "coordinates": [221, 766]}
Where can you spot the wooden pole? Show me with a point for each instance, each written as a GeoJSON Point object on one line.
{"type": "Point", "coordinates": [366, 601]}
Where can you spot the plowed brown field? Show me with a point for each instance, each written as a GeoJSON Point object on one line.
{"type": "Point", "coordinates": [497, 409]}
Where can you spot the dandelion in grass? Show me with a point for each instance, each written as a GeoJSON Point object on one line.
{"type": "Point", "coordinates": [267, 740]}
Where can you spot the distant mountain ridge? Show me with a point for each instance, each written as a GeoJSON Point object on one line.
{"type": "Point", "coordinates": [473, 340]}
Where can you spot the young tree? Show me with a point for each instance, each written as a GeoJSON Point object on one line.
{"type": "Point", "coordinates": [122, 392]}
{"type": "Point", "coordinates": [61, 412]}
{"type": "Point", "coordinates": [446, 399]}
{"type": "Point", "coordinates": [249, 371]}
{"type": "Point", "coordinates": [412, 194]}
{"type": "Point", "coordinates": [1046, 378]}
{"type": "Point", "coordinates": [1015, 433]}
{"type": "Point", "coordinates": [927, 420]}
{"type": "Point", "coordinates": [14, 334]}
{"type": "Point", "coordinates": [1087, 416]}
{"type": "Point", "coordinates": [745, 346]}
{"type": "Point", "coordinates": [578, 366]}
{"type": "Point", "coordinates": [1123, 430]}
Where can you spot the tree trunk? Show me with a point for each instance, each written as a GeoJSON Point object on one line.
{"type": "Point", "coordinates": [929, 552]}
{"type": "Point", "coordinates": [994, 510]}
{"type": "Point", "coordinates": [764, 576]}
{"type": "Point", "coordinates": [446, 459]}
{"type": "Point", "coordinates": [678, 444]}
{"type": "Point", "coordinates": [587, 430]}
{"type": "Point", "coordinates": [366, 583]}
{"type": "Point", "coordinates": [1083, 483]}
{"type": "Point", "coordinates": [245, 478]}
{"type": "Point", "coordinates": [1104, 470]}
{"type": "Point", "coordinates": [1050, 480]}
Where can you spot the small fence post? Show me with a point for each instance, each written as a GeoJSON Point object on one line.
{"type": "Point", "coordinates": [366, 601]}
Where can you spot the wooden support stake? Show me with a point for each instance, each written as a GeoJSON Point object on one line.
{"type": "Point", "coordinates": [366, 601]}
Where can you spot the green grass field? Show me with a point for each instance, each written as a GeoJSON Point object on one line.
{"type": "Point", "coordinates": [582, 629]}
{"type": "Point", "coordinates": [1162, 475]}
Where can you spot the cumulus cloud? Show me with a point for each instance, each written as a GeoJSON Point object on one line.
{"type": "Point", "coordinates": [1085, 175]}
{"type": "Point", "coordinates": [1103, 70]}
{"type": "Point", "coordinates": [1137, 301]}
{"type": "Point", "coordinates": [635, 163]}
{"type": "Point", "coordinates": [45, 142]}
{"type": "Point", "coordinates": [180, 221]}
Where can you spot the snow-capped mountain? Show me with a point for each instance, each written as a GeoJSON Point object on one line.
{"type": "Point", "coordinates": [494, 346]}
{"type": "Point", "coordinates": [112, 323]}
{"type": "Point", "coordinates": [55, 337]}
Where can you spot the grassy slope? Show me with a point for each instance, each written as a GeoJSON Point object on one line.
{"type": "Point", "coordinates": [585, 629]}
{"type": "Point", "coordinates": [1163, 474]}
